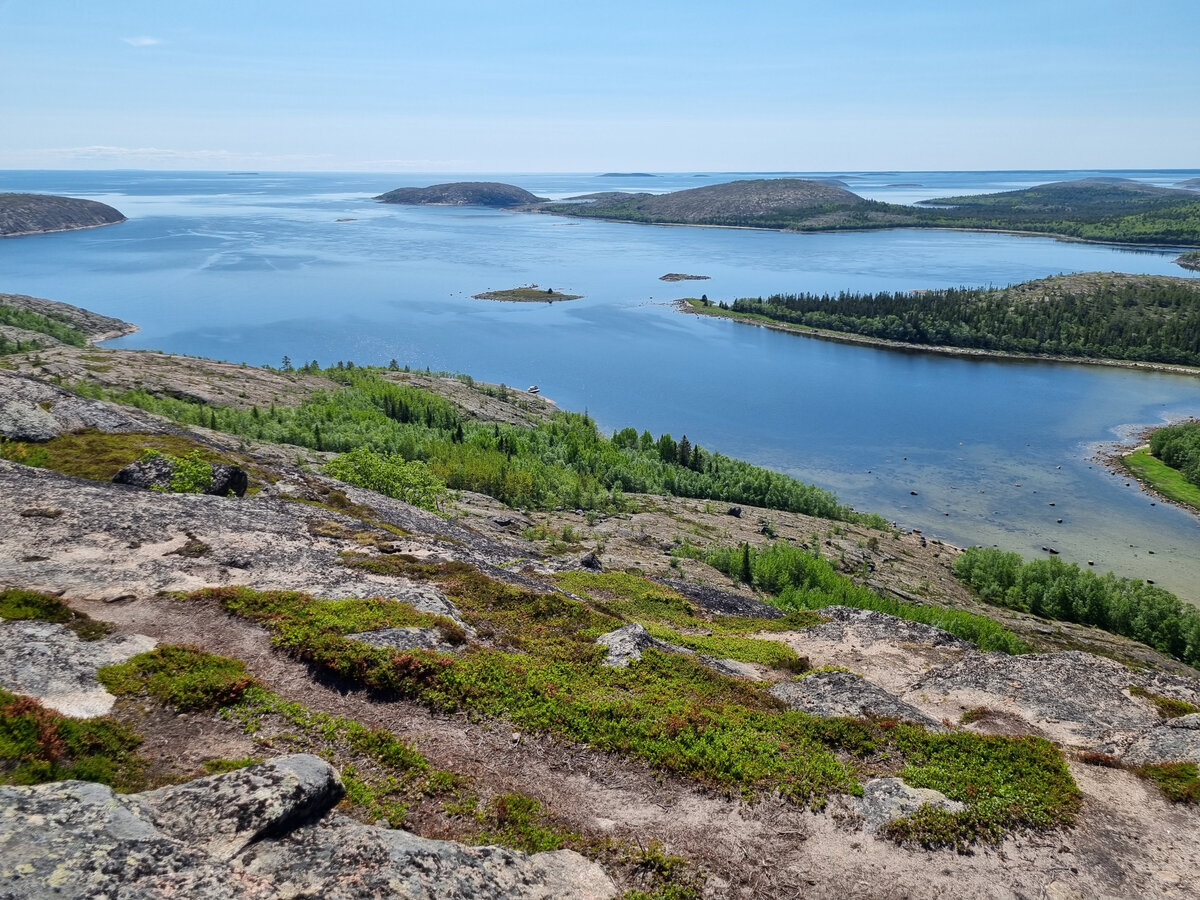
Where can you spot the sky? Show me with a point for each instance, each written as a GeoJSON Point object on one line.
{"type": "Point", "coordinates": [655, 85]}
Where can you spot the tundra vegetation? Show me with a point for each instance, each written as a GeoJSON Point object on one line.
{"type": "Point", "coordinates": [1110, 316]}
{"type": "Point", "coordinates": [565, 461]}
{"type": "Point", "coordinates": [27, 320]}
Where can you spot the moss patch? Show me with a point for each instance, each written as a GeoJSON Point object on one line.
{"type": "Point", "coordinates": [38, 745]}
{"type": "Point", "coordinates": [187, 678]}
{"type": "Point", "coordinates": [1179, 781]}
{"type": "Point", "coordinates": [1167, 707]}
{"type": "Point", "coordinates": [19, 604]}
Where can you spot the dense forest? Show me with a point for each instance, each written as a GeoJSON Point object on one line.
{"type": "Point", "coordinates": [1058, 590]}
{"type": "Point", "coordinates": [1105, 210]}
{"type": "Point", "coordinates": [1179, 447]}
{"type": "Point", "coordinates": [1149, 318]}
{"type": "Point", "coordinates": [566, 461]}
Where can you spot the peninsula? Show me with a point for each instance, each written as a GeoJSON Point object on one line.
{"type": "Point", "coordinates": [1105, 317]}
{"type": "Point", "coordinates": [25, 214]}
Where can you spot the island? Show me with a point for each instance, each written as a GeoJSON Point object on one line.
{"type": "Point", "coordinates": [1105, 210]}
{"type": "Point", "coordinates": [26, 214]}
{"type": "Point", "coordinates": [492, 194]}
{"type": "Point", "coordinates": [529, 293]}
{"type": "Point", "coordinates": [1144, 321]}
{"type": "Point", "coordinates": [627, 175]}
{"type": "Point", "coordinates": [680, 276]}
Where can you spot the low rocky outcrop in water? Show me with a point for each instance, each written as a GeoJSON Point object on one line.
{"type": "Point", "coordinates": [267, 831]}
{"type": "Point", "coordinates": [462, 193]}
{"type": "Point", "coordinates": [43, 213]}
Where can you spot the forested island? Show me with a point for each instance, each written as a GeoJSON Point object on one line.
{"type": "Point", "coordinates": [24, 214]}
{"type": "Point", "coordinates": [1105, 315]}
{"type": "Point", "coordinates": [1189, 260]}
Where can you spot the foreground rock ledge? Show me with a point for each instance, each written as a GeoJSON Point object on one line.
{"type": "Point", "coordinates": [267, 831]}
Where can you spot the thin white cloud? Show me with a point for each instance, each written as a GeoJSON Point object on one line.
{"type": "Point", "coordinates": [142, 41]}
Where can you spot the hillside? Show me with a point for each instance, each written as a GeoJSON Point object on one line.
{"type": "Point", "coordinates": [1104, 315]}
{"type": "Point", "coordinates": [22, 214]}
{"type": "Point", "coordinates": [462, 193]}
{"type": "Point", "coordinates": [1097, 209]}
{"type": "Point", "coordinates": [28, 323]}
{"type": "Point", "coordinates": [527, 703]}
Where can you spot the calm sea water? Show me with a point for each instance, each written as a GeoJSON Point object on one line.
{"type": "Point", "coordinates": [253, 267]}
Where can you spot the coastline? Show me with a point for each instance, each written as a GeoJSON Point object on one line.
{"type": "Point", "coordinates": [13, 234]}
{"type": "Point", "coordinates": [1112, 454]}
{"type": "Point", "coordinates": [684, 306]}
{"type": "Point", "coordinates": [897, 227]}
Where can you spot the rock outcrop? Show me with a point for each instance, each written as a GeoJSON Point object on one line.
{"type": "Point", "coordinates": [260, 833]}
{"type": "Point", "coordinates": [51, 663]}
{"type": "Point", "coordinates": [32, 410]}
{"type": "Point", "coordinates": [42, 213]}
{"type": "Point", "coordinates": [846, 694]}
{"type": "Point", "coordinates": [885, 799]}
{"type": "Point", "coordinates": [156, 473]}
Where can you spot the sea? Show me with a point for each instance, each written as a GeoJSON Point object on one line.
{"type": "Point", "coordinates": [254, 266]}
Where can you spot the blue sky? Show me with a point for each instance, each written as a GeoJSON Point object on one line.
{"type": "Point", "coordinates": [559, 86]}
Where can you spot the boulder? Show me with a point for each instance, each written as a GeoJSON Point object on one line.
{"type": "Point", "coordinates": [885, 799]}
{"type": "Point", "coordinates": [626, 644]}
{"type": "Point", "coordinates": [404, 639]}
{"type": "Point", "coordinates": [591, 561]}
{"type": "Point", "coordinates": [21, 420]}
{"type": "Point", "coordinates": [846, 694]}
{"type": "Point", "coordinates": [155, 472]}
{"type": "Point", "coordinates": [260, 833]}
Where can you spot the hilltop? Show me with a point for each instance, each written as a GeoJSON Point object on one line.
{"type": "Point", "coordinates": [23, 214]}
{"type": "Point", "coordinates": [526, 701]}
{"type": "Point", "coordinates": [462, 193]}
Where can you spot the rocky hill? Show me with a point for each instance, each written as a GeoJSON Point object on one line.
{"type": "Point", "coordinates": [523, 703]}
{"type": "Point", "coordinates": [22, 214]}
{"type": "Point", "coordinates": [756, 199]}
{"type": "Point", "coordinates": [462, 193]}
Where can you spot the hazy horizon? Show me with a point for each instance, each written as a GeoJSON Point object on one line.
{"type": "Point", "coordinates": [540, 87]}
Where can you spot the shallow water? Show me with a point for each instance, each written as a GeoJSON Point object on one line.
{"type": "Point", "coordinates": [250, 268]}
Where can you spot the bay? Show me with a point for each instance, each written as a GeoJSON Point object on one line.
{"type": "Point", "coordinates": [253, 267]}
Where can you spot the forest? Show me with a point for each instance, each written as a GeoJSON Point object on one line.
{"type": "Point", "coordinates": [565, 462]}
{"type": "Point", "coordinates": [1057, 590]}
{"type": "Point", "coordinates": [1145, 318]}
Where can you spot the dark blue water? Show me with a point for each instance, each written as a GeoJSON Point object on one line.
{"type": "Point", "coordinates": [249, 268]}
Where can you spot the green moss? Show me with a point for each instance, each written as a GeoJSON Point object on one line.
{"type": "Point", "coordinates": [185, 677]}
{"type": "Point", "coordinates": [38, 745]}
{"type": "Point", "coordinates": [19, 604]}
{"type": "Point", "coordinates": [513, 820]}
{"type": "Point", "coordinates": [1179, 781]}
{"type": "Point", "coordinates": [1167, 707]}
{"type": "Point", "coordinates": [1007, 783]}
{"type": "Point", "coordinates": [221, 766]}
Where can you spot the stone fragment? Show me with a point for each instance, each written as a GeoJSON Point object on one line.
{"type": "Point", "coordinates": [885, 799]}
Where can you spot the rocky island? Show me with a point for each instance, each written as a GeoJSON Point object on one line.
{"type": "Point", "coordinates": [346, 679]}
{"type": "Point", "coordinates": [25, 214]}
{"type": "Point", "coordinates": [463, 193]}
{"type": "Point", "coordinates": [528, 294]}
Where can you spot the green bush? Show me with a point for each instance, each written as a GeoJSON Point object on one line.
{"type": "Point", "coordinates": [389, 474]}
{"type": "Point", "coordinates": [187, 678]}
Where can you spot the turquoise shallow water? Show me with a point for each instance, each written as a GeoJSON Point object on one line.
{"type": "Point", "coordinates": [250, 268]}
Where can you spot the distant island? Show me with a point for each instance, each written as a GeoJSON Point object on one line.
{"type": "Point", "coordinates": [1096, 209]}
{"type": "Point", "coordinates": [1102, 209]}
{"type": "Point", "coordinates": [1193, 183]}
{"type": "Point", "coordinates": [1189, 260]}
{"type": "Point", "coordinates": [24, 214]}
{"type": "Point", "coordinates": [628, 175]}
{"type": "Point", "coordinates": [463, 193]}
{"type": "Point", "coordinates": [1091, 316]}
{"type": "Point", "coordinates": [530, 293]}
{"type": "Point", "coordinates": [679, 276]}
